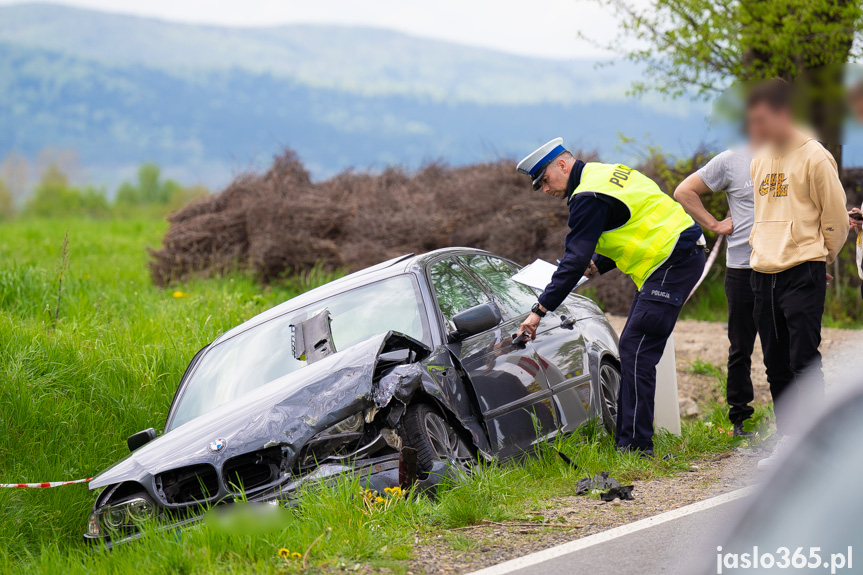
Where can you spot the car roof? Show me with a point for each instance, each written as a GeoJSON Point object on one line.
{"type": "Point", "coordinates": [409, 263]}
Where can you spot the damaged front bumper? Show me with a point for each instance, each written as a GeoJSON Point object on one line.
{"type": "Point", "coordinates": [376, 474]}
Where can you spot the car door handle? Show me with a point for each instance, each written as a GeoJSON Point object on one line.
{"type": "Point", "coordinates": [567, 322]}
{"type": "Point", "coordinates": [520, 340]}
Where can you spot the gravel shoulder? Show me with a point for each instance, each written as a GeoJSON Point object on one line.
{"type": "Point", "coordinates": [465, 550]}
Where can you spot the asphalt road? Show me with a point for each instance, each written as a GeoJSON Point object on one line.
{"type": "Point", "coordinates": [679, 542]}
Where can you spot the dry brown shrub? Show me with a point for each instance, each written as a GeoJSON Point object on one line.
{"type": "Point", "coordinates": [281, 222]}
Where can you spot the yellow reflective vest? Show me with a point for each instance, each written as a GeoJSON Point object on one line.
{"type": "Point", "coordinates": [655, 222]}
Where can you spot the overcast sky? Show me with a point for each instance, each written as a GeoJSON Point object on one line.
{"type": "Point", "coordinates": [545, 28]}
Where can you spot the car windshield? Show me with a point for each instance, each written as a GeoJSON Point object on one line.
{"type": "Point", "coordinates": [263, 353]}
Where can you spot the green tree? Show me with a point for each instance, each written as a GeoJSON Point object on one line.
{"type": "Point", "coordinates": [151, 190]}
{"type": "Point", "coordinates": [54, 197]}
{"type": "Point", "coordinates": [707, 46]}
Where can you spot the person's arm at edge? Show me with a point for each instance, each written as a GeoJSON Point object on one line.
{"type": "Point", "coordinates": [689, 193]}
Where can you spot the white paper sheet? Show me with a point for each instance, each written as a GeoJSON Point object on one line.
{"type": "Point", "coordinates": [538, 275]}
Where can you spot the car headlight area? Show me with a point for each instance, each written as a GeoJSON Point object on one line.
{"type": "Point", "coordinates": [334, 442]}
{"type": "Point", "coordinates": [120, 517]}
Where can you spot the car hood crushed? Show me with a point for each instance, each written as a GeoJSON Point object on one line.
{"type": "Point", "coordinates": [286, 412]}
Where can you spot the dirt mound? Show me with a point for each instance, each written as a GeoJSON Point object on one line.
{"type": "Point", "coordinates": [280, 222]}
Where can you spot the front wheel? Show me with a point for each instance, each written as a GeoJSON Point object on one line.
{"type": "Point", "coordinates": [435, 440]}
{"type": "Point", "coordinates": [609, 387]}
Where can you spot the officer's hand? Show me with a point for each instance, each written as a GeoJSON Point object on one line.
{"type": "Point", "coordinates": [591, 270]}
{"type": "Point", "coordinates": [829, 279]}
{"type": "Point", "coordinates": [723, 228]}
{"type": "Point", "coordinates": [530, 325]}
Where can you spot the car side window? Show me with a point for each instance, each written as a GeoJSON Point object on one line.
{"type": "Point", "coordinates": [514, 298]}
{"type": "Point", "coordinates": [455, 290]}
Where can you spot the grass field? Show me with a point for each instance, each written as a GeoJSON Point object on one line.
{"type": "Point", "coordinates": [83, 369]}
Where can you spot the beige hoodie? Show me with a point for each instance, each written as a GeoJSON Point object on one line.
{"type": "Point", "coordinates": [800, 213]}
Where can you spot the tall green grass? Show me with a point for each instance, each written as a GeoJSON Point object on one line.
{"type": "Point", "coordinates": [709, 302]}
{"type": "Point", "coordinates": [380, 535]}
{"type": "Point", "coordinates": [71, 392]}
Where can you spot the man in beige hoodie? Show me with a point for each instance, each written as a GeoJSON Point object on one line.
{"type": "Point", "coordinates": [800, 225]}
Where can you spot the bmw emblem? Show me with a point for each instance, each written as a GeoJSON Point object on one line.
{"type": "Point", "coordinates": [217, 445]}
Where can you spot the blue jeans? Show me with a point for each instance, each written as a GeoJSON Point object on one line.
{"type": "Point", "coordinates": [652, 317]}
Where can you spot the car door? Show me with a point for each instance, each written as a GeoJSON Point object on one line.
{"type": "Point", "coordinates": [509, 384]}
{"type": "Point", "coordinates": [563, 354]}
{"type": "Point", "coordinates": [559, 343]}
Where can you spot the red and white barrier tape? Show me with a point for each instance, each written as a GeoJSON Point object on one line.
{"type": "Point", "coordinates": [43, 485]}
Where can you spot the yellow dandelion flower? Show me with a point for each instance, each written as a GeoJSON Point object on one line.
{"type": "Point", "coordinates": [379, 499]}
{"type": "Point", "coordinates": [178, 294]}
{"type": "Point", "coordinates": [284, 553]}
{"type": "Point", "coordinates": [296, 555]}
{"type": "Point", "coordinates": [388, 489]}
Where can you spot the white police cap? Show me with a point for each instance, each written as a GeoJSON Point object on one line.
{"type": "Point", "coordinates": [535, 164]}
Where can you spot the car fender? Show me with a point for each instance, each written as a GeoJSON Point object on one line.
{"type": "Point", "coordinates": [445, 384]}
{"type": "Point", "coordinates": [602, 345]}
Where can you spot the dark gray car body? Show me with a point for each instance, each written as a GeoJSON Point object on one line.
{"type": "Point", "coordinates": [491, 391]}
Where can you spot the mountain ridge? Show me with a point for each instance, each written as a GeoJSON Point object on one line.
{"type": "Point", "coordinates": [365, 61]}
{"type": "Point", "coordinates": [205, 123]}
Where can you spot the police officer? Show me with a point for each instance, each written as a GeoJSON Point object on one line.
{"type": "Point", "coordinates": [619, 217]}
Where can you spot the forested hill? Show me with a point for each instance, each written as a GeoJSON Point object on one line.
{"type": "Point", "coordinates": [206, 101]}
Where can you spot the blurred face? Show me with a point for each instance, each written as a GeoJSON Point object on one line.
{"type": "Point", "coordinates": [556, 177]}
{"type": "Point", "coordinates": [766, 125]}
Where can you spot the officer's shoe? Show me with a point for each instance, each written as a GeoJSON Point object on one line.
{"type": "Point", "coordinates": [740, 432]}
{"type": "Point", "coordinates": [645, 453]}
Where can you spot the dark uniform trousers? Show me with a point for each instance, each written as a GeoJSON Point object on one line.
{"type": "Point", "coordinates": [651, 320]}
{"type": "Point", "coordinates": [788, 310]}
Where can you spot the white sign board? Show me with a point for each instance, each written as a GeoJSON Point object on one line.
{"type": "Point", "coordinates": [666, 408]}
{"type": "Point", "coordinates": [538, 275]}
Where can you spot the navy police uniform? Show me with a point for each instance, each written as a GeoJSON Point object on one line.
{"type": "Point", "coordinates": [655, 307]}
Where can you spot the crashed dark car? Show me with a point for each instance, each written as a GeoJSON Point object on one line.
{"type": "Point", "coordinates": [398, 373]}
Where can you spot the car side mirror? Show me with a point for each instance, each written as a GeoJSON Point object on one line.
{"type": "Point", "coordinates": [474, 320]}
{"type": "Point", "coordinates": [141, 438]}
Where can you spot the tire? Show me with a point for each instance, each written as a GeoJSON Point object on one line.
{"type": "Point", "coordinates": [427, 431]}
{"type": "Point", "coordinates": [609, 387]}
